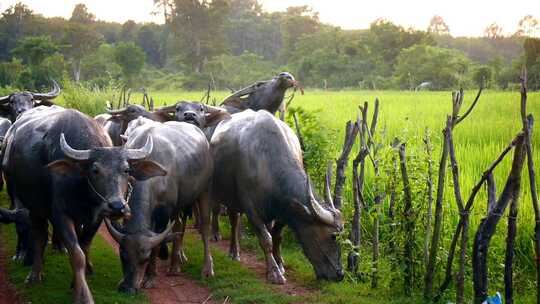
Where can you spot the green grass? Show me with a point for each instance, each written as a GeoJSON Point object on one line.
{"type": "Point", "coordinates": [58, 275]}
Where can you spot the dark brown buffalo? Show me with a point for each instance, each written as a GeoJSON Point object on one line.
{"type": "Point", "coordinates": [61, 166]}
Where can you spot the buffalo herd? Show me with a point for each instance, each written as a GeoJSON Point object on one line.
{"type": "Point", "coordinates": [143, 173]}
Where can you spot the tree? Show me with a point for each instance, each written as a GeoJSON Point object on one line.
{"type": "Point", "coordinates": [149, 40]}
{"type": "Point", "coordinates": [199, 27]}
{"type": "Point", "coordinates": [528, 26]}
{"type": "Point", "coordinates": [81, 41]}
{"type": "Point", "coordinates": [438, 26]}
{"type": "Point", "coordinates": [296, 22]}
{"type": "Point", "coordinates": [444, 68]}
{"type": "Point", "coordinates": [14, 24]}
{"type": "Point", "coordinates": [81, 14]}
{"type": "Point", "coordinates": [130, 58]}
{"type": "Point", "coordinates": [493, 31]}
{"type": "Point", "coordinates": [482, 76]}
{"type": "Point", "coordinates": [33, 50]}
{"type": "Point", "coordinates": [129, 31]}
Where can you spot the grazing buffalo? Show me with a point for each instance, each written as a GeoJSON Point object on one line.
{"type": "Point", "coordinates": [262, 95]}
{"type": "Point", "coordinates": [119, 120]}
{"type": "Point", "coordinates": [13, 105]}
{"type": "Point", "coordinates": [258, 171]}
{"type": "Point", "coordinates": [61, 166]}
{"type": "Point", "coordinates": [184, 152]}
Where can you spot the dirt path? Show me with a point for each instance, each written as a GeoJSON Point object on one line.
{"type": "Point", "coordinates": [8, 293]}
{"type": "Point", "coordinates": [180, 289]}
{"type": "Point", "coordinates": [249, 259]}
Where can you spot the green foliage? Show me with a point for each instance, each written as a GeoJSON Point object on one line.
{"type": "Point", "coordinates": [130, 58]}
{"type": "Point", "coordinates": [319, 146]}
{"type": "Point", "coordinates": [238, 71]}
{"type": "Point", "coordinates": [33, 50]}
{"type": "Point", "coordinates": [482, 76]}
{"type": "Point", "coordinates": [91, 101]}
{"type": "Point", "coordinates": [445, 68]}
{"type": "Point", "coordinates": [10, 71]}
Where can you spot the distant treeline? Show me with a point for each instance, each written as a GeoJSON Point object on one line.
{"type": "Point", "coordinates": [231, 43]}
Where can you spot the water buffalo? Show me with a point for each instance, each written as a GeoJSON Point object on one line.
{"type": "Point", "coordinates": [119, 120]}
{"type": "Point", "coordinates": [11, 106]}
{"type": "Point", "coordinates": [77, 178]}
{"type": "Point", "coordinates": [185, 154]}
{"type": "Point", "coordinates": [262, 95]}
{"type": "Point", "coordinates": [258, 171]}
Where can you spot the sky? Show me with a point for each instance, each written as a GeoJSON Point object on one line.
{"type": "Point", "coordinates": [464, 17]}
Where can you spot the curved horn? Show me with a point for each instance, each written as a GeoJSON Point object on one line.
{"type": "Point", "coordinates": [167, 109]}
{"type": "Point", "coordinates": [116, 112]}
{"type": "Point", "coordinates": [116, 235]}
{"type": "Point", "coordinates": [155, 240]}
{"type": "Point", "coordinates": [137, 154]}
{"type": "Point", "coordinates": [212, 109]}
{"type": "Point", "coordinates": [327, 183]}
{"type": "Point", "coordinates": [316, 209]}
{"type": "Point", "coordinates": [52, 94]}
{"type": "Point", "coordinates": [5, 99]}
{"type": "Point", "coordinates": [73, 153]}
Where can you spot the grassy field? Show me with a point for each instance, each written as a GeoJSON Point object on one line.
{"type": "Point", "coordinates": [479, 139]}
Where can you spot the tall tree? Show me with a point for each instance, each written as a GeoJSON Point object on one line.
{"type": "Point", "coordinates": [528, 26]}
{"type": "Point", "coordinates": [81, 14]}
{"type": "Point", "coordinates": [438, 26]}
{"type": "Point", "coordinates": [493, 31]}
{"type": "Point", "coordinates": [16, 21]}
{"type": "Point", "coordinates": [130, 58]}
{"type": "Point", "coordinates": [199, 27]}
{"type": "Point", "coordinates": [296, 22]}
{"type": "Point", "coordinates": [129, 31]}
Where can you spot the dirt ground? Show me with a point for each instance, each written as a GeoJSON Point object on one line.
{"type": "Point", "coordinates": [178, 289]}
{"type": "Point", "coordinates": [8, 293]}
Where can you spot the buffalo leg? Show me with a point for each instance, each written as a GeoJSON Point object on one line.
{"type": "Point", "coordinates": [56, 242]}
{"type": "Point", "coordinates": [178, 256]}
{"type": "Point", "coordinates": [66, 227]}
{"type": "Point", "coordinates": [39, 236]}
{"type": "Point", "coordinates": [216, 209]}
{"type": "Point", "coordinates": [276, 249]}
{"type": "Point", "coordinates": [204, 210]}
{"type": "Point", "coordinates": [234, 249]}
{"type": "Point", "coordinates": [151, 270]}
{"type": "Point", "coordinates": [85, 240]}
{"type": "Point", "coordinates": [273, 274]}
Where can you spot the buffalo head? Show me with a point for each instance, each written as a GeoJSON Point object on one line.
{"type": "Point", "coordinates": [196, 113]}
{"type": "Point", "coordinates": [317, 231]}
{"type": "Point", "coordinates": [135, 251]}
{"type": "Point", "coordinates": [108, 172]}
{"type": "Point", "coordinates": [17, 103]}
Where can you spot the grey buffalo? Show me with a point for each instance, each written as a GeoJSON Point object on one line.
{"type": "Point", "coordinates": [263, 95]}
{"type": "Point", "coordinates": [258, 171]}
{"type": "Point", "coordinates": [12, 105]}
{"type": "Point", "coordinates": [118, 120]}
{"type": "Point", "coordinates": [61, 166]}
{"type": "Point", "coordinates": [184, 152]}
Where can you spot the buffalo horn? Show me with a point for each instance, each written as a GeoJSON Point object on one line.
{"type": "Point", "coordinates": [155, 240]}
{"type": "Point", "coordinates": [212, 109]}
{"type": "Point", "coordinates": [167, 109]}
{"type": "Point", "coordinates": [4, 99]}
{"type": "Point", "coordinates": [73, 153]}
{"type": "Point", "coordinates": [52, 94]}
{"type": "Point", "coordinates": [327, 192]}
{"type": "Point", "coordinates": [116, 235]}
{"type": "Point", "coordinates": [137, 154]}
{"type": "Point", "coordinates": [316, 209]}
{"type": "Point", "coordinates": [117, 112]}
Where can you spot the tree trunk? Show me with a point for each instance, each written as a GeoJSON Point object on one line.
{"type": "Point", "coordinates": [429, 183]}
{"type": "Point", "coordinates": [489, 223]}
{"type": "Point", "coordinates": [509, 257]}
{"type": "Point", "coordinates": [409, 222]}
{"type": "Point", "coordinates": [76, 70]}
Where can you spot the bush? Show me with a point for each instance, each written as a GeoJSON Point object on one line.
{"type": "Point", "coordinates": [91, 101]}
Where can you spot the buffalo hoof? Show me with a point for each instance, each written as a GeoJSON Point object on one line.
{"type": "Point", "coordinates": [148, 282]}
{"type": "Point", "coordinates": [126, 289]}
{"type": "Point", "coordinates": [89, 268]}
{"type": "Point", "coordinates": [183, 258]}
{"type": "Point", "coordinates": [208, 271]}
{"type": "Point", "coordinates": [235, 256]}
{"type": "Point", "coordinates": [216, 237]}
{"type": "Point", "coordinates": [33, 278]}
{"type": "Point", "coordinates": [275, 277]}
{"type": "Point", "coordinates": [174, 271]}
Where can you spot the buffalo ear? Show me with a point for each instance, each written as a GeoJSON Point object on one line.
{"type": "Point", "coordinates": [63, 166]}
{"type": "Point", "coordinates": [145, 169]}
{"type": "Point", "coordinates": [213, 118]}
